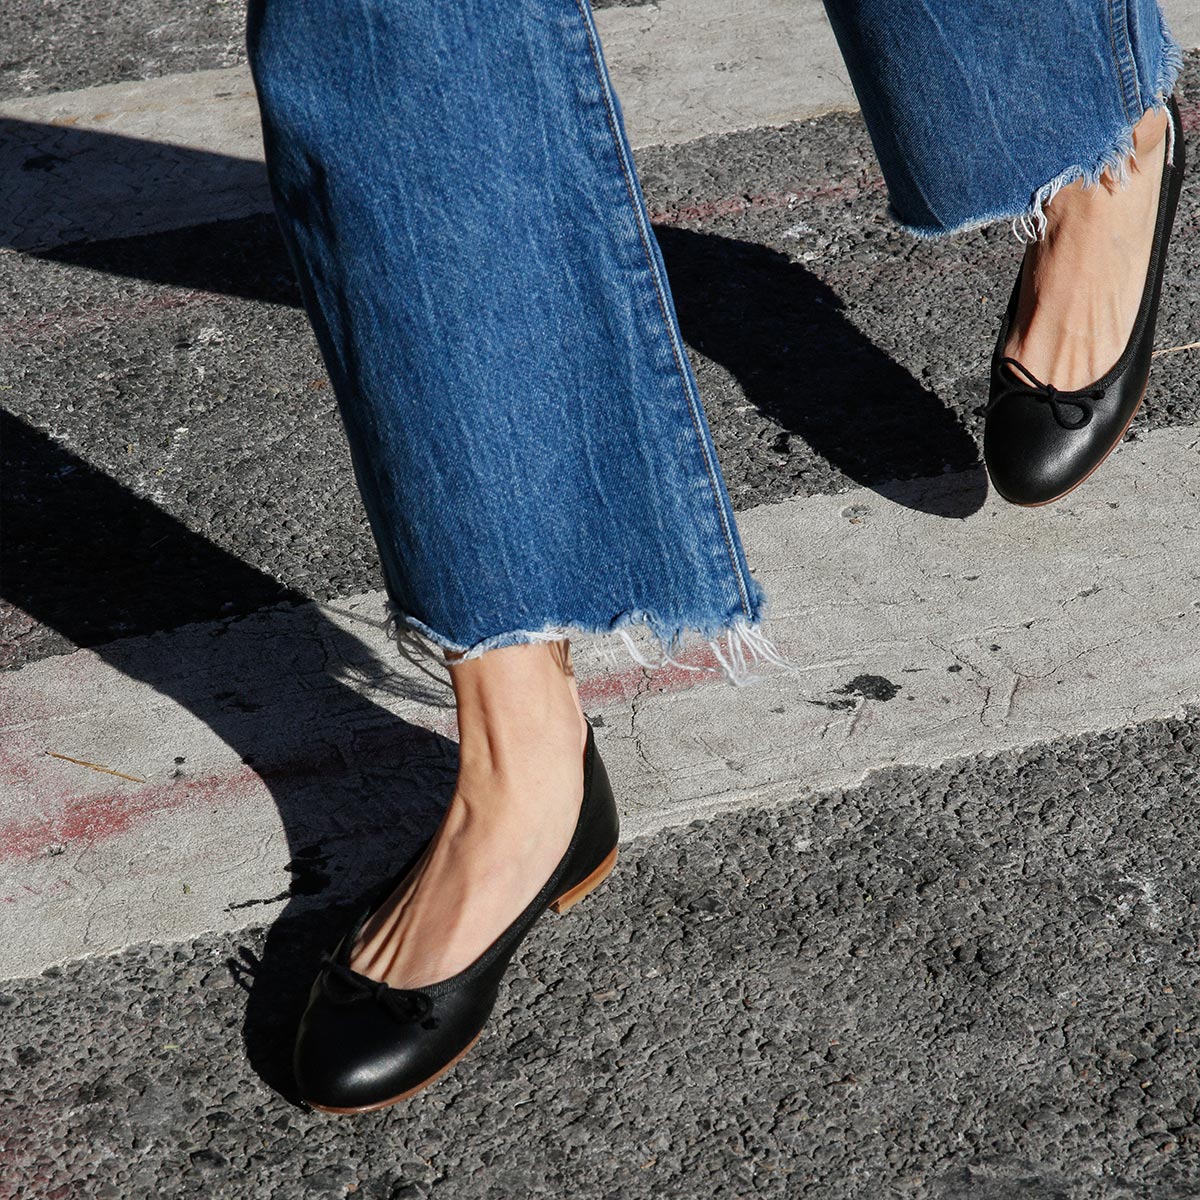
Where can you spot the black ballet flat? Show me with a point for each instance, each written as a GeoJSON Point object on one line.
{"type": "Point", "coordinates": [1040, 442]}
{"type": "Point", "coordinates": [363, 1045]}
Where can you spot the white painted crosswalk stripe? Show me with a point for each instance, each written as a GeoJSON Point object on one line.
{"type": "Point", "coordinates": [917, 638]}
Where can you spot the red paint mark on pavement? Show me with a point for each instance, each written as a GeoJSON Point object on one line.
{"type": "Point", "coordinates": [692, 668]}
{"type": "Point", "coordinates": [86, 819]}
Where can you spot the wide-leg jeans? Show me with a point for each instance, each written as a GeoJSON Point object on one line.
{"type": "Point", "coordinates": [458, 196]}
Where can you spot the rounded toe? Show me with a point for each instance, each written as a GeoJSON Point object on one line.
{"type": "Point", "coordinates": [1028, 461]}
{"type": "Point", "coordinates": [352, 1059]}
{"type": "Point", "coordinates": [357, 1056]}
{"type": "Point", "coordinates": [1020, 482]}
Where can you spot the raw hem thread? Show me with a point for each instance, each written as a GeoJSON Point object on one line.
{"type": "Point", "coordinates": [739, 647]}
{"type": "Point", "coordinates": [1029, 224]}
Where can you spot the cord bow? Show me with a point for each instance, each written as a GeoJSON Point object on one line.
{"type": "Point", "coordinates": [403, 1005]}
{"type": "Point", "coordinates": [1047, 393]}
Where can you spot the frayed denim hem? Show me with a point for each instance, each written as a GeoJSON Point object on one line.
{"type": "Point", "coordinates": [1029, 224]}
{"type": "Point", "coordinates": [739, 647]}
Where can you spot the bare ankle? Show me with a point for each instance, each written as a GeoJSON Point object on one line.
{"type": "Point", "coordinates": [1151, 130]}
{"type": "Point", "coordinates": [512, 698]}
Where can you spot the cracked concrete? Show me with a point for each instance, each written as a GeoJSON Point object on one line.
{"type": "Point", "coordinates": [927, 623]}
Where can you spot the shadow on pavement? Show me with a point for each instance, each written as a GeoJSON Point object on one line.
{"type": "Point", "coordinates": [783, 336]}
{"type": "Point", "coordinates": [771, 323]}
{"type": "Point", "coordinates": [368, 789]}
{"type": "Point", "coordinates": [352, 817]}
{"type": "Point", "coordinates": [64, 183]}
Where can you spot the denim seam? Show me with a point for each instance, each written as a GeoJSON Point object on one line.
{"type": "Point", "coordinates": [1125, 63]}
{"type": "Point", "coordinates": [743, 591]}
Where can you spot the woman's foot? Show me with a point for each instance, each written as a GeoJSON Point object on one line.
{"type": "Point", "coordinates": [522, 735]}
{"type": "Point", "coordinates": [1082, 282]}
{"type": "Point", "coordinates": [1073, 353]}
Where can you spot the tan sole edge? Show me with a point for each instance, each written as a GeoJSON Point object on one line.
{"type": "Point", "coordinates": [366, 1108]}
{"type": "Point", "coordinates": [1099, 464]}
{"type": "Point", "coordinates": [593, 881]}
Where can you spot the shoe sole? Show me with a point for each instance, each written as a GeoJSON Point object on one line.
{"type": "Point", "coordinates": [1095, 467]}
{"type": "Point", "coordinates": [566, 901]}
{"type": "Point", "coordinates": [590, 884]}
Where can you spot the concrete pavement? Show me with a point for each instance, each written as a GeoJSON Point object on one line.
{"type": "Point", "coordinates": [151, 799]}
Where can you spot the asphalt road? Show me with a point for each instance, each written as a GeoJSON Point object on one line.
{"type": "Point", "coordinates": [971, 982]}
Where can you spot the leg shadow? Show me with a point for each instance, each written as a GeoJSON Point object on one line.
{"type": "Point", "coordinates": [92, 561]}
{"type": "Point", "coordinates": [782, 334]}
{"type": "Point", "coordinates": [779, 330]}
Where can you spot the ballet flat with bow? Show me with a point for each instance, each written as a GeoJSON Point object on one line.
{"type": "Point", "coordinates": [1041, 442]}
{"type": "Point", "coordinates": [363, 1044]}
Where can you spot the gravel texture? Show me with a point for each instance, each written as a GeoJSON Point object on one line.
{"type": "Point", "coordinates": [174, 454]}
{"type": "Point", "coordinates": [61, 45]}
{"type": "Point", "coordinates": [973, 983]}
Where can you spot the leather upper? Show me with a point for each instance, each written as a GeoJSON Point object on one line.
{"type": "Point", "coordinates": [361, 1043]}
{"type": "Point", "coordinates": [1040, 442]}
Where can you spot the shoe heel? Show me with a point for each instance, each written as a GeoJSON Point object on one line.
{"type": "Point", "coordinates": [586, 886]}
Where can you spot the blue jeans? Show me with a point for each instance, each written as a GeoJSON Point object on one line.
{"type": "Point", "coordinates": [980, 110]}
{"type": "Point", "coordinates": [456, 190]}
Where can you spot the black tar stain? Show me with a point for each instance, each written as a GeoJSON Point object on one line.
{"type": "Point", "coordinates": [870, 687]}
{"type": "Point", "coordinates": [864, 687]}
{"type": "Point", "coordinates": [309, 878]}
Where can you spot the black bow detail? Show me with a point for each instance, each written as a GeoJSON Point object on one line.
{"type": "Point", "coordinates": [405, 1006]}
{"type": "Point", "coordinates": [1049, 394]}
